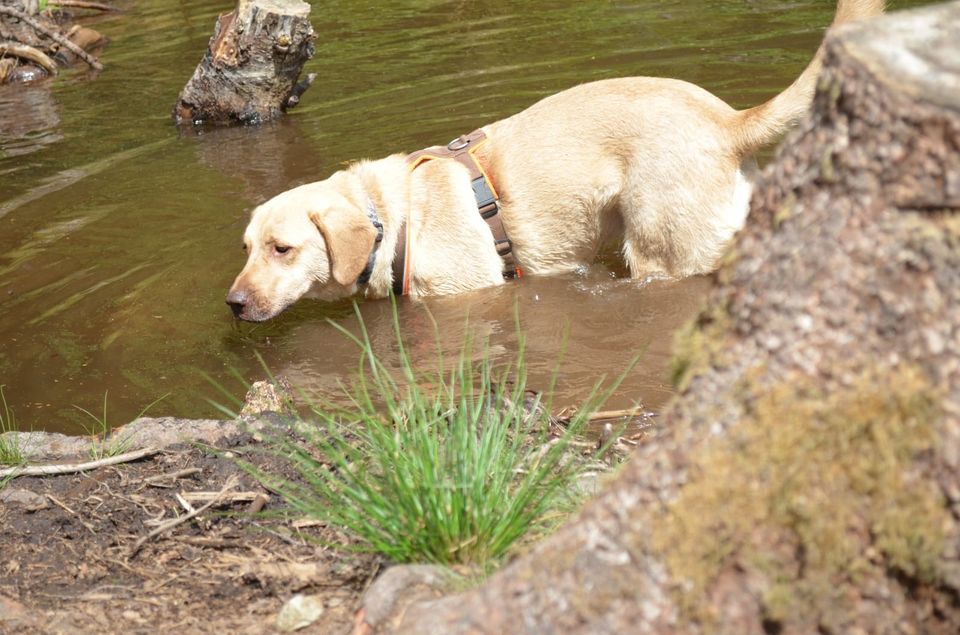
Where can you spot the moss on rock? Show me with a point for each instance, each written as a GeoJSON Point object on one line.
{"type": "Point", "coordinates": [814, 474]}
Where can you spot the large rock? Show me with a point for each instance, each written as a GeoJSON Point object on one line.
{"type": "Point", "coordinates": [807, 477]}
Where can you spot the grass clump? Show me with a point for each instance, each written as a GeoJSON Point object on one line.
{"type": "Point", "coordinates": [446, 466]}
{"type": "Point", "coordinates": [10, 451]}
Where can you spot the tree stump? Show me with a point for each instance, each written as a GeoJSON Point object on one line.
{"type": "Point", "coordinates": [250, 70]}
{"type": "Point", "coordinates": [806, 478]}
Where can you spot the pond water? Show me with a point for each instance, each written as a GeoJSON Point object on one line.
{"type": "Point", "coordinates": [119, 234]}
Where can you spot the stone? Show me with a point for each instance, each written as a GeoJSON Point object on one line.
{"type": "Point", "coordinates": [25, 499]}
{"type": "Point", "coordinates": [299, 612]}
{"type": "Point", "coordinates": [274, 396]}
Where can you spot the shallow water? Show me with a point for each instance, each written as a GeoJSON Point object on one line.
{"type": "Point", "coordinates": [119, 234]}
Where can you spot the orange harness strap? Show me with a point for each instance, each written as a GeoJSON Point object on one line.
{"type": "Point", "coordinates": [462, 149]}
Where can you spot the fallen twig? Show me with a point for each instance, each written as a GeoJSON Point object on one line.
{"type": "Point", "coordinates": [230, 484]}
{"type": "Point", "coordinates": [62, 505]}
{"type": "Point", "coordinates": [567, 415]}
{"type": "Point", "coordinates": [204, 541]}
{"type": "Point", "coordinates": [153, 480]}
{"type": "Point", "coordinates": [233, 497]}
{"type": "Point", "coordinates": [81, 4]}
{"type": "Point", "coordinates": [31, 54]}
{"type": "Point", "coordinates": [50, 470]}
{"type": "Point", "coordinates": [183, 503]}
{"type": "Point", "coordinates": [53, 35]}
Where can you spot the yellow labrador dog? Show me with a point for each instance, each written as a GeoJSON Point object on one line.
{"type": "Point", "coordinates": [661, 164]}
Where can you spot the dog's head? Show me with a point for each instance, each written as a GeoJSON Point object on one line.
{"type": "Point", "coordinates": [309, 241]}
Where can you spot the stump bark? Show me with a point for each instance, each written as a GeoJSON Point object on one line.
{"type": "Point", "coordinates": [250, 70]}
{"type": "Point", "coordinates": [807, 478]}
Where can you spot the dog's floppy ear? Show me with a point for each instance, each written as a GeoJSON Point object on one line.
{"type": "Point", "coordinates": [350, 237]}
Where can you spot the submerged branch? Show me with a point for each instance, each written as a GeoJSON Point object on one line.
{"type": "Point", "coordinates": [81, 4]}
{"type": "Point", "coordinates": [53, 35]}
{"type": "Point", "coordinates": [30, 54]}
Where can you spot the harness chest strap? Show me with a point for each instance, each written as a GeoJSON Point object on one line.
{"type": "Point", "coordinates": [462, 150]}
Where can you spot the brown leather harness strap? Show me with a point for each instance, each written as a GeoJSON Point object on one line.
{"type": "Point", "coordinates": [462, 150]}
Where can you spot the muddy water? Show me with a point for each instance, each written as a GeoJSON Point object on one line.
{"type": "Point", "coordinates": [119, 235]}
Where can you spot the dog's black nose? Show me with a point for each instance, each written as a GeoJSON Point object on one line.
{"type": "Point", "coordinates": [237, 301]}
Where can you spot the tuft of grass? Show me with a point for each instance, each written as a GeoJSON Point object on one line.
{"type": "Point", "coordinates": [10, 451]}
{"type": "Point", "coordinates": [103, 444]}
{"type": "Point", "coordinates": [443, 466]}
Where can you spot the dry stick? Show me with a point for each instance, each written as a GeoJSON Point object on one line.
{"type": "Point", "coordinates": [34, 55]}
{"type": "Point", "coordinates": [53, 35]}
{"type": "Point", "coordinates": [183, 503]}
{"type": "Point", "coordinates": [50, 470]}
{"type": "Point", "coordinates": [230, 484]}
{"type": "Point", "coordinates": [602, 415]}
{"type": "Point", "coordinates": [233, 497]}
{"type": "Point", "coordinates": [60, 504]}
{"type": "Point", "coordinates": [189, 471]}
{"type": "Point", "coordinates": [82, 4]}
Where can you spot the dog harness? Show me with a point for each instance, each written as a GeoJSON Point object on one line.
{"type": "Point", "coordinates": [462, 149]}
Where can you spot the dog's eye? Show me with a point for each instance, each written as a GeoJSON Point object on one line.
{"type": "Point", "coordinates": [280, 249]}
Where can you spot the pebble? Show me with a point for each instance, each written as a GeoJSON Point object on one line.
{"type": "Point", "coordinates": [30, 501]}
{"type": "Point", "coordinates": [299, 612]}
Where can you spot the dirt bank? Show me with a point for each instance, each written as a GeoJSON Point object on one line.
{"type": "Point", "coordinates": [70, 560]}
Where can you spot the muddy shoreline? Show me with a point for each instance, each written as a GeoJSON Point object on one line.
{"type": "Point", "coordinates": [89, 551]}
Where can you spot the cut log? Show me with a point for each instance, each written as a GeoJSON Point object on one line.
{"type": "Point", "coordinates": [250, 70]}
{"type": "Point", "coordinates": [805, 480]}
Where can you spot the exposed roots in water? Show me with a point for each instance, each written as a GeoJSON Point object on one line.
{"type": "Point", "coordinates": [35, 44]}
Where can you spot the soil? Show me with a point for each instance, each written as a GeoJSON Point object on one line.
{"type": "Point", "coordinates": [68, 565]}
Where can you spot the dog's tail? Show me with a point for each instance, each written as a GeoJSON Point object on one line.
{"type": "Point", "coordinates": [763, 124]}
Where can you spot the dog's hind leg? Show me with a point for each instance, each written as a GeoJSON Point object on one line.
{"type": "Point", "coordinates": [683, 227]}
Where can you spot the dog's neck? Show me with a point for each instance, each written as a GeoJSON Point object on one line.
{"type": "Point", "coordinates": [375, 221]}
{"type": "Point", "coordinates": [382, 187]}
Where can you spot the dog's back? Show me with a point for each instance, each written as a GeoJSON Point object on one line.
{"type": "Point", "coordinates": [663, 161]}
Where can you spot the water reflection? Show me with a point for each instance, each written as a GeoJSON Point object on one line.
{"type": "Point", "coordinates": [264, 159]}
{"type": "Point", "coordinates": [29, 121]}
